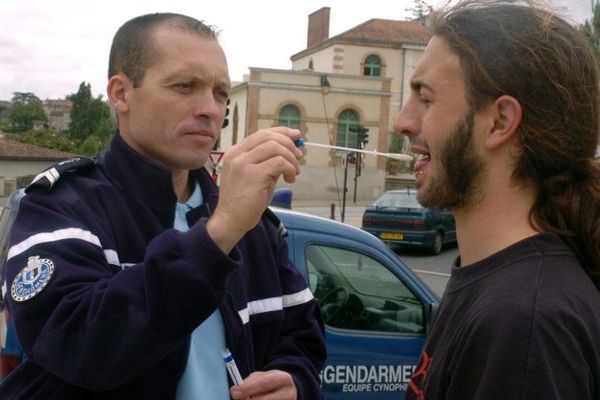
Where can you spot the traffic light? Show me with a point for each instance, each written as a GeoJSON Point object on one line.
{"type": "Point", "coordinates": [362, 136]}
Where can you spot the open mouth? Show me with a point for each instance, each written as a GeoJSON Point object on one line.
{"type": "Point", "coordinates": [421, 163]}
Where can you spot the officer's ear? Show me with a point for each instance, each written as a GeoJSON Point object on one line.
{"type": "Point", "coordinates": [118, 88]}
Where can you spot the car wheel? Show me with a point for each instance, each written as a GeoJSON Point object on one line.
{"type": "Point", "coordinates": [437, 244]}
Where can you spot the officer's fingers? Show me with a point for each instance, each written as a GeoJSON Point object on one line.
{"type": "Point", "coordinates": [268, 385]}
{"type": "Point", "coordinates": [292, 133]}
{"type": "Point", "coordinates": [279, 166]}
{"type": "Point", "coordinates": [271, 152]}
{"type": "Point", "coordinates": [282, 135]}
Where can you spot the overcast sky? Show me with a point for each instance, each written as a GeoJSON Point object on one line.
{"type": "Point", "coordinates": [50, 47]}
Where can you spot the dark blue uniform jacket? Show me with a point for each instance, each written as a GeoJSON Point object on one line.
{"type": "Point", "coordinates": [113, 318]}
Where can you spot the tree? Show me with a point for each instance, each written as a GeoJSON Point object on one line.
{"type": "Point", "coordinates": [419, 9]}
{"type": "Point", "coordinates": [90, 146]}
{"type": "Point", "coordinates": [89, 116]}
{"type": "Point", "coordinates": [26, 109]}
{"type": "Point", "coordinates": [592, 29]}
{"type": "Point", "coordinates": [47, 138]}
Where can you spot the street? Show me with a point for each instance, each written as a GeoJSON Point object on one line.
{"type": "Point", "coordinates": [433, 270]}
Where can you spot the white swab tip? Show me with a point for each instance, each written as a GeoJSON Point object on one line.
{"type": "Point", "coordinates": [398, 156]}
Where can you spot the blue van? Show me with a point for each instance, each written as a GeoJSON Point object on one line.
{"type": "Point", "coordinates": [376, 310]}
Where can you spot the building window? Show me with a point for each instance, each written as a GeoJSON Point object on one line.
{"type": "Point", "coordinates": [289, 116]}
{"type": "Point", "coordinates": [345, 138]}
{"type": "Point", "coordinates": [372, 66]}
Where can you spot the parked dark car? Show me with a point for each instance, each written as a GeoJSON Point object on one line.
{"type": "Point", "coordinates": [376, 310]}
{"type": "Point", "coordinates": [398, 219]}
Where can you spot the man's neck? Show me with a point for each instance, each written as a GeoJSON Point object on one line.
{"type": "Point", "coordinates": [498, 221]}
{"type": "Point", "coordinates": [181, 185]}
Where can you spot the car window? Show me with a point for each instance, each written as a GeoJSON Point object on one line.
{"type": "Point", "coordinates": [357, 292]}
{"type": "Point", "coordinates": [397, 200]}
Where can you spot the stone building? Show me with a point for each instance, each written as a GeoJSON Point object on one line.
{"type": "Point", "coordinates": [355, 78]}
{"type": "Point", "coordinates": [59, 114]}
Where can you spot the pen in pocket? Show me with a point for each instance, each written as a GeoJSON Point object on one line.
{"type": "Point", "coordinates": [232, 369]}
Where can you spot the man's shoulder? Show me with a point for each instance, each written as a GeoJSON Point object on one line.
{"type": "Point", "coordinates": [274, 224]}
{"type": "Point", "coordinates": [70, 182]}
{"type": "Point", "coordinates": [46, 180]}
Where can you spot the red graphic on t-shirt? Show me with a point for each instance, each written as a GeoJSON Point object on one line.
{"type": "Point", "coordinates": [415, 385]}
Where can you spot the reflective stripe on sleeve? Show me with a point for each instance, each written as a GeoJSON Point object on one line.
{"type": "Point", "coordinates": [62, 234]}
{"type": "Point", "coordinates": [274, 304]}
{"type": "Point", "coordinates": [49, 237]}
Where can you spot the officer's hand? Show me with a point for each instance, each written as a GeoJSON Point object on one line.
{"type": "Point", "coordinates": [270, 385]}
{"type": "Point", "coordinates": [251, 169]}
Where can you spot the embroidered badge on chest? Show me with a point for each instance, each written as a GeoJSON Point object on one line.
{"type": "Point", "coordinates": [32, 279]}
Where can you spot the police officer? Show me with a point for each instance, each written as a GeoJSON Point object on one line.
{"type": "Point", "coordinates": [130, 274]}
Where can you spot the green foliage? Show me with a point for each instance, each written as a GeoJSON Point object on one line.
{"type": "Point", "coordinates": [5, 127]}
{"type": "Point", "coordinates": [90, 128]}
{"type": "Point", "coordinates": [89, 116]}
{"type": "Point", "coordinates": [104, 132]}
{"type": "Point", "coordinates": [47, 138]}
{"type": "Point", "coordinates": [26, 109]}
{"type": "Point", "coordinates": [4, 109]}
{"type": "Point", "coordinates": [90, 146]}
{"type": "Point", "coordinates": [419, 9]}
{"type": "Point", "coordinates": [592, 30]}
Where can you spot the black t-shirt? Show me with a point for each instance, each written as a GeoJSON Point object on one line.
{"type": "Point", "coordinates": [522, 324]}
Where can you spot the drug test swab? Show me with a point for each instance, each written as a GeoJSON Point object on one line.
{"type": "Point", "coordinates": [232, 368]}
{"type": "Point", "coordinates": [397, 156]}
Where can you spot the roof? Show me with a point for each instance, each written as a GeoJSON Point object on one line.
{"type": "Point", "coordinates": [387, 31]}
{"type": "Point", "coordinates": [13, 150]}
{"type": "Point", "coordinates": [376, 31]}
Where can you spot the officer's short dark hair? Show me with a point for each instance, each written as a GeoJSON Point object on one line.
{"type": "Point", "coordinates": [132, 48]}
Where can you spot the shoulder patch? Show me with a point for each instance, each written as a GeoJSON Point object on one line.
{"type": "Point", "coordinates": [46, 179]}
{"type": "Point", "coordinates": [32, 279]}
{"type": "Point", "coordinates": [276, 222]}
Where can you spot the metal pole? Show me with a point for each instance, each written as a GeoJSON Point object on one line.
{"type": "Point", "coordinates": [356, 166]}
{"type": "Point", "coordinates": [343, 214]}
{"type": "Point", "coordinates": [356, 175]}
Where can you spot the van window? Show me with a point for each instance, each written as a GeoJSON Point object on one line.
{"type": "Point", "coordinates": [357, 292]}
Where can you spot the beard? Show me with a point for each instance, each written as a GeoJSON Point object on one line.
{"type": "Point", "coordinates": [459, 170]}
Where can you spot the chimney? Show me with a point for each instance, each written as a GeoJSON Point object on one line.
{"type": "Point", "coordinates": [318, 26]}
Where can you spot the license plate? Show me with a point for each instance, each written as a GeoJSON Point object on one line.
{"type": "Point", "coordinates": [391, 236]}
